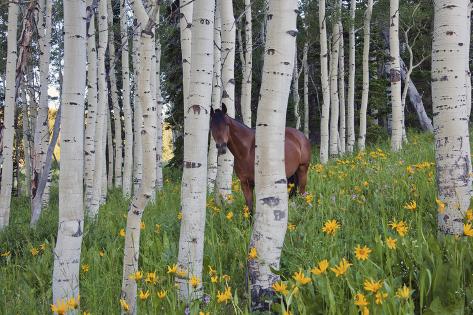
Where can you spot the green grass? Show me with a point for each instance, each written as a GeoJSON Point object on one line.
{"type": "Point", "coordinates": [364, 193]}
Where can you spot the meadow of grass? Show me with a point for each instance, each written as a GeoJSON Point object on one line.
{"type": "Point", "coordinates": [370, 195]}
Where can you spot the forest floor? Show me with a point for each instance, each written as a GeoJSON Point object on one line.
{"type": "Point", "coordinates": [381, 200]}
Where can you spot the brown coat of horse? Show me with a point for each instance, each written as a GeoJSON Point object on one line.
{"type": "Point", "coordinates": [240, 140]}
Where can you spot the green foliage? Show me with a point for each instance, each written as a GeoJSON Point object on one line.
{"type": "Point", "coordinates": [364, 193]}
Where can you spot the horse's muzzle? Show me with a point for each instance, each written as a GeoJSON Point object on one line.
{"type": "Point", "coordinates": [221, 148]}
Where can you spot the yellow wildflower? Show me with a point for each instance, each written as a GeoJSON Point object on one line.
{"type": "Point", "coordinates": [212, 272]}
{"type": "Point", "coordinates": [253, 253]}
{"type": "Point", "coordinates": [391, 242]}
{"type": "Point", "coordinates": [157, 228]}
{"type": "Point", "coordinates": [43, 246]}
{"type": "Point", "coordinates": [162, 294]}
{"type": "Point", "coordinates": [410, 169]}
{"type": "Point", "coordinates": [85, 268]}
{"type": "Point", "coordinates": [204, 313]}
{"type": "Point", "coordinates": [172, 268]}
{"type": "Point", "coordinates": [122, 232]}
{"type": "Point", "coordinates": [380, 297]}
{"type": "Point", "coordinates": [287, 312]}
{"type": "Point", "coordinates": [225, 296]}
{"type": "Point", "coordinates": [101, 253]}
{"type": "Point", "coordinates": [360, 300]}
{"type": "Point", "coordinates": [86, 313]}
{"type": "Point", "coordinates": [365, 184]}
{"type": "Point", "coordinates": [280, 287]}
{"type": "Point", "coordinates": [341, 268]}
{"type": "Point", "coordinates": [144, 295]}
{"type": "Point", "coordinates": [372, 286]}
{"type": "Point", "coordinates": [6, 254]}
{"type": "Point", "coordinates": [194, 281]}
{"type": "Point", "coordinates": [330, 227]}
{"type": "Point", "coordinates": [365, 311]}
{"type": "Point", "coordinates": [362, 253]}
{"type": "Point", "coordinates": [34, 251]}
{"type": "Point", "coordinates": [403, 293]}
{"type": "Point", "coordinates": [181, 273]}
{"type": "Point", "coordinates": [401, 227]}
{"type": "Point", "coordinates": [136, 276]}
{"type": "Point", "coordinates": [291, 227]}
{"type": "Point", "coordinates": [142, 225]}
{"type": "Point", "coordinates": [441, 205]}
{"type": "Point", "coordinates": [412, 205]}
{"type": "Point", "coordinates": [229, 215]}
{"type": "Point", "coordinates": [290, 187]}
{"type": "Point", "coordinates": [214, 279]}
{"type": "Point", "coordinates": [226, 278]}
{"type": "Point", "coordinates": [229, 198]}
{"type": "Point", "coordinates": [469, 215]}
{"type": "Point", "coordinates": [467, 230]}
{"type": "Point", "coordinates": [124, 305]}
{"type": "Point", "coordinates": [309, 198]}
{"type": "Point", "coordinates": [246, 212]}
{"type": "Point", "coordinates": [151, 277]}
{"type": "Point", "coordinates": [72, 303]}
{"type": "Point", "coordinates": [60, 307]}
{"type": "Point", "coordinates": [301, 278]}
{"type": "Point", "coordinates": [179, 215]}
{"type": "Point", "coordinates": [321, 268]}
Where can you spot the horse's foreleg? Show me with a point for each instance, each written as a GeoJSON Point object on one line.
{"type": "Point", "coordinates": [302, 177]}
{"type": "Point", "coordinates": [247, 189]}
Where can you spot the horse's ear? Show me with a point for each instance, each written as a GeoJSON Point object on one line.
{"type": "Point", "coordinates": [212, 112]}
{"type": "Point", "coordinates": [224, 108]}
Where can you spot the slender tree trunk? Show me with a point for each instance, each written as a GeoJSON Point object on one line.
{"type": "Point", "coordinates": [334, 100]}
{"type": "Point", "coordinates": [159, 112]}
{"type": "Point", "coordinates": [196, 130]}
{"type": "Point", "coordinates": [247, 67]}
{"type": "Point", "coordinates": [451, 113]}
{"type": "Point", "coordinates": [127, 112]}
{"type": "Point", "coordinates": [366, 74]}
{"type": "Point", "coordinates": [351, 81]}
{"type": "Point", "coordinates": [395, 77]}
{"type": "Point", "coordinates": [324, 119]}
{"type": "Point", "coordinates": [110, 153]}
{"type": "Point", "coordinates": [117, 121]}
{"type": "Point", "coordinates": [89, 143]}
{"type": "Point", "coordinates": [225, 161]}
{"type": "Point", "coordinates": [71, 215]}
{"type": "Point", "coordinates": [216, 98]}
{"type": "Point", "coordinates": [186, 39]}
{"type": "Point", "coordinates": [146, 189]}
{"type": "Point", "coordinates": [295, 92]}
{"type": "Point", "coordinates": [9, 116]}
{"type": "Point", "coordinates": [137, 113]}
{"type": "Point", "coordinates": [305, 65]}
{"type": "Point", "coordinates": [102, 108]}
{"type": "Point", "coordinates": [341, 92]}
{"type": "Point", "coordinates": [26, 140]}
{"type": "Point", "coordinates": [270, 220]}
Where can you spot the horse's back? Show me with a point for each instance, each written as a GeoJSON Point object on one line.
{"type": "Point", "coordinates": [300, 141]}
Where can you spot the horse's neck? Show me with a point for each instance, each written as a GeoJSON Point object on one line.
{"type": "Point", "coordinates": [241, 139]}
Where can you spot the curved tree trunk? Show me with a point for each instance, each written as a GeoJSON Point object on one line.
{"type": "Point", "coordinates": [451, 113]}
{"type": "Point", "coordinates": [225, 161]}
{"type": "Point", "coordinates": [341, 92]}
{"type": "Point", "coordinates": [351, 81]}
{"type": "Point", "coordinates": [395, 77]}
{"type": "Point", "coordinates": [89, 143]}
{"type": "Point", "coordinates": [71, 215]}
{"type": "Point", "coordinates": [270, 220]}
{"type": "Point", "coordinates": [334, 100]}
{"type": "Point", "coordinates": [324, 119]}
{"type": "Point", "coordinates": [247, 67]}
{"type": "Point", "coordinates": [305, 65]}
{"type": "Point", "coordinates": [127, 112]}
{"type": "Point", "coordinates": [102, 108]}
{"type": "Point", "coordinates": [216, 97]}
{"type": "Point", "coordinates": [196, 130]}
{"type": "Point", "coordinates": [9, 116]}
{"type": "Point", "coordinates": [366, 75]}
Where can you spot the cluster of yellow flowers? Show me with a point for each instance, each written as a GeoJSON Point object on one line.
{"type": "Point", "coordinates": [35, 251]}
{"type": "Point", "coordinates": [400, 227]}
{"type": "Point", "coordinates": [330, 227]}
{"type": "Point", "coordinates": [62, 306]}
{"type": "Point", "coordinates": [225, 296]}
{"type": "Point", "coordinates": [378, 154]}
{"type": "Point", "coordinates": [412, 205]}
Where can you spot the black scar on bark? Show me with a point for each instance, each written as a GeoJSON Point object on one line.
{"type": "Point", "coordinates": [79, 230]}
{"type": "Point", "coordinates": [279, 215]}
{"type": "Point", "coordinates": [261, 299]}
{"type": "Point", "coordinates": [281, 181]}
{"type": "Point", "coordinates": [270, 201]}
{"type": "Point", "coordinates": [192, 164]}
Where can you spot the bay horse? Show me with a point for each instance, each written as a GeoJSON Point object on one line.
{"type": "Point", "coordinates": [240, 140]}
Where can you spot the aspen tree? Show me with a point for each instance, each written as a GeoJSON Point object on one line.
{"type": "Point", "coordinates": [351, 81]}
{"type": "Point", "coordinates": [295, 92]}
{"type": "Point", "coordinates": [137, 111]}
{"type": "Point", "coordinates": [395, 77]}
{"type": "Point", "coordinates": [324, 119]}
{"type": "Point", "coordinates": [341, 91]}
{"type": "Point", "coordinates": [334, 100]}
{"type": "Point", "coordinates": [270, 218]}
{"type": "Point", "coordinates": [305, 66]}
{"type": "Point", "coordinates": [159, 112]}
{"type": "Point", "coordinates": [185, 26]}
{"type": "Point", "coordinates": [247, 67]}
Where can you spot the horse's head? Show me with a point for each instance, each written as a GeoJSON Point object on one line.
{"type": "Point", "coordinates": [219, 126]}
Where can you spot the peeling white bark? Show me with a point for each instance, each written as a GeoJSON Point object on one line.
{"type": "Point", "coordinates": [341, 92]}
{"type": "Point", "coordinates": [351, 81]}
{"type": "Point", "coordinates": [137, 114]}
{"type": "Point", "coordinates": [247, 67]}
{"type": "Point", "coordinates": [305, 65]}
{"type": "Point", "coordinates": [295, 91]}
{"type": "Point", "coordinates": [185, 25]}
{"type": "Point", "coordinates": [270, 219]}
{"type": "Point", "coordinates": [159, 113]}
{"type": "Point", "coordinates": [395, 77]}
{"type": "Point", "coordinates": [334, 100]}
{"type": "Point", "coordinates": [451, 113]}
{"type": "Point", "coordinates": [324, 119]}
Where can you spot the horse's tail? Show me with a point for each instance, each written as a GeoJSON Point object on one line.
{"type": "Point", "coordinates": [293, 183]}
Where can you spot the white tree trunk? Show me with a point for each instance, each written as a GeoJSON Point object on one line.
{"type": "Point", "coordinates": [26, 140]}
{"type": "Point", "coordinates": [185, 24]}
{"type": "Point", "coordinates": [351, 81]}
{"type": "Point", "coordinates": [305, 65]}
{"type": "Point", "coordinates": [41, 135]}
{"type": "Point", "coordinates": [117, 122]}
{"type": "Point", "coordinates": [295, 91]}
{"type": "Point", "coordinates": [89, 143]}
{"type": "Point", "coordinates": [247, 67]}
{"type": "Point", "coordinates": [127, 112]}
{"type": "Point", "coordinates": [270, 220]}
{"type": "Point", "coordinates": [467, 58]}
{"type": "Point", "coordinates": [216, 98]}
{"type": "Point", "coordinates": [71, 214]}
{"type": "Point", "coordinates": [341, 92]}
{"type": "Point", "coordinates": [225, 161]}
{"type": "Point", "coordinates": [102, 108]}
{"type": "Point", "coordinates": [9, 116]}
{"type": "Point", "coordinates": [146, 189]}
{"type": "Point", "coordinates": [395, 77]}
{"type": "Point", "coordinates": [366, 74]}
{"type": "Point", "coordinates": [334, 100]}
{"type": "Point", "coordinates": [110, 154]}
{"type": "Point", "coordinates": [324, 119]}
{"type": "Point", "coordinates": [451, 113]}
{"type": "Point", "coordinates": [159, 113]}
{"type": "Point", "coordinates": [137, 115]}
{"type": "Point", "coordinates": [196, 130]}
